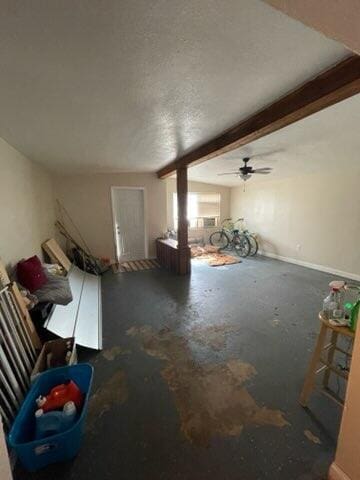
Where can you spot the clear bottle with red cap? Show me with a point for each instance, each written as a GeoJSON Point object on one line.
{"type": "Point", "coordinates": [333, 305]}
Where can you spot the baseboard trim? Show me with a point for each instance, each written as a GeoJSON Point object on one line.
{"type": "Point", "coordinates": [313, 266]}
{"type": "Point", "coordinates": [335, 473]}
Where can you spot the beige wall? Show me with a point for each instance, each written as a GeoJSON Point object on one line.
{"type": "Point", "coordinates": [337, 19]}
{"type": "Point", "coordinates": [87, 199]}
{"type": "Point", "coordinates": [26, 206]}
{"type": "Point", "coordinates": [313, 218]}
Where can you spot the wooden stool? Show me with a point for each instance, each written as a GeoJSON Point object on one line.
{"type": "Point", "coordinates": [327, 365]}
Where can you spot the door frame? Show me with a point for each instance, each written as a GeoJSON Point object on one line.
{"type": "Point", "coordinates": [146, 243]}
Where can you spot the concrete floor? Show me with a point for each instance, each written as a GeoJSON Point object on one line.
{"type": "Point", "coordinates": [200, 378]}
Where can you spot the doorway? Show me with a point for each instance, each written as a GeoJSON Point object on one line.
{"type": "Point", "coordinates": [128, 206]}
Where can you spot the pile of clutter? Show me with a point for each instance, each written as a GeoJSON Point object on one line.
{"type": "Point", "coordinates": [42, 283]}
{"type": "Point", "coordinates": [56, 412]}
{"type": "Point", "coordinates": [212, 255]}
{"type": "Point", "coordinates": [198, 251]}
{"type": "Point", "coordinates": [50, 424]}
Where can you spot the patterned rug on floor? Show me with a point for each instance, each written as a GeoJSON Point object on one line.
{"type": "Point", "coordinates": [212, 256]}
{"type": "Point", "coordinates": [135, 266]}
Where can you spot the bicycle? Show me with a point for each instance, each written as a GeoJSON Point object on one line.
{"type": "Point", "coordinates": [231, 237]}
{"type": "Point", "coordinates": [250, 236]}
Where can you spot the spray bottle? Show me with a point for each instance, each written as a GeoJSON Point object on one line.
{"type": "Point", "coordinates": [354, 316]}
{"type": "Point", "coordinates": [333, 304]}
{"type": "Point", "coordinates": [353, 306]}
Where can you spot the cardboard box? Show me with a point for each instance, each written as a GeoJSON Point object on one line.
{"type": "Point", "coordinates": [53, 354]}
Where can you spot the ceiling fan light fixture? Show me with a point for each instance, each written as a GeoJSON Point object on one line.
{"type": "Point", "coordinates": [245, 176]}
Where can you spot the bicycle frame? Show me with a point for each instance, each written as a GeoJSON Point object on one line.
{"type": "Point", "coordinates": [242, 228]}
{"type": "Point", "coordinates": [230, 231]}
{"type": "Point", "coordinates": [234, 238]}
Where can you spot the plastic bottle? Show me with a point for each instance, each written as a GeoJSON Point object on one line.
{"type": "Point", "coordinates": [330, 303]}
{"type": "Point", "coordinates": [51, 423]}
{"type": "Point", "coordinates": [333, 306]}
{"type": "Point", "coordinates": [338, 313]}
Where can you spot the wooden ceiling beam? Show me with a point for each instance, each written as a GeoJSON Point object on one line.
{"type": "Point", "coordinates": [330, 87]}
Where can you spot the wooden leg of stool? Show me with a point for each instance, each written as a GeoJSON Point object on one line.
{"type": "Point", "coordinates": [330, 358]}
{"type": "Point", "coordinates": [311, 373]}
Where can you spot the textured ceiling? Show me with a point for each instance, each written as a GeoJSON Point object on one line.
{"type": "Point", "coordinates": [326, 141]}
{"type": "Point", "coordinates": [130, 85]}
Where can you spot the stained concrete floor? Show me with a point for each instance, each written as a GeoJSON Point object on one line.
{"type": "Point", "coordinates": [200, 378]}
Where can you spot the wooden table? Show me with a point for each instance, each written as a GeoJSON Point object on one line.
{"type": "Point", "coordinates": [319, 364]}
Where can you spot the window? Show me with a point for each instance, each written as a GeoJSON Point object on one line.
{"type": "Point", "coordinates": [203, 210]}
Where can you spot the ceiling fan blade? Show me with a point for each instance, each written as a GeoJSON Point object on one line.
{"type": "Point", "coordinates": [266, 154]}
{"type": "Point", "coordinates": [229, 173]}
{"type": "Point", "coordinates": [261, 173]}
{"type": "Point", "coordinates": [270, 153]}
{"type": "Point", "coordinates": [241, 154]}
{"type": "Point", "coordinates": [263, 169]}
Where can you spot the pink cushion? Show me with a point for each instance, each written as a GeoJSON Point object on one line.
{"type": "Point", "coordinates": [30, 274]}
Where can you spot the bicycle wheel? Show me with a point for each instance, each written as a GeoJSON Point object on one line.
{"type": "Point", "coordinates": [219, 239]}
{"type": "Point", "coordinates": [241, 245]}
{"type": "Point", "coordinates": [254, 246]}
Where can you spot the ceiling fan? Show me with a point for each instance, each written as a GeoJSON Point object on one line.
{"type": "Point", "coordinates": [245, 172]}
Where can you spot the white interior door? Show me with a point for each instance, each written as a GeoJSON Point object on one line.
{"type": "Point", "coordinates": [129, 223]}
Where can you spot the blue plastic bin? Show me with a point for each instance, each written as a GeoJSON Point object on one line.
{"type": "Point", "coordinates": [36, 454]}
